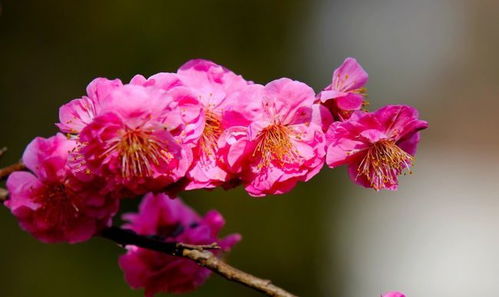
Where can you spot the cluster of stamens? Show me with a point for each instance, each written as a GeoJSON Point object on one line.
{"type": "Point", "coordinates": [211, 133]}
{"type": "Point", "coordinates": [383, 162]}
{"type": "Point", "coordinates": [57, 203]}
{"type": "Point", "coordinates": [274, 144]}
{"type": "Point", "coordinates": [139, 152]}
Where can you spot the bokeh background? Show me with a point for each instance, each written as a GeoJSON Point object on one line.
{"type": "Point", "coordinates": [437, 236]}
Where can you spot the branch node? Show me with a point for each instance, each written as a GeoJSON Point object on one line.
{"type": "Point", "coordinates": [200, 247]}
{"type": "Point", "coordinates": [4, 194]}
{"type": "Point", "coordinates": [3, 150]}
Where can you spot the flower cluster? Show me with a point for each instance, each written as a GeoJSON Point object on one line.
{"type": "Point", "coordinates": [205, 127]}
{"type": "Point", "coordinates": [199, 128]}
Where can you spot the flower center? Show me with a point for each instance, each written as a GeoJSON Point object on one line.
{"type": "Point", "coordinates": [274, 144]}
{"type": "Point", "coordinates": [139, 151]}
{"type": "Point", "coordinates": [211, 133]}
{"type": "Point", "coordinates": [383, 162]}
{"type": "Point", "coordinates": [57, 203]}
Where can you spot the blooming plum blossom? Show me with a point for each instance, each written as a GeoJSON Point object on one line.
{"type": "Point", "coordinates": [51, 204]}
{"type": "Point", "coordinates": [135, 141]}
{"type": "Point", "coordinates": [169, 219]}
{"type": "Point", "coordinates": [282, 145]}
{"type": "Point", "coordinates": [377, 146]}
{"type": "Point", "coordinates": [346, 92]}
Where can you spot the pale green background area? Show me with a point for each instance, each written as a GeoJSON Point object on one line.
{"type": "Point", "coordinates": [437, 236]}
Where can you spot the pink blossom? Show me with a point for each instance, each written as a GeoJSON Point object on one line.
{"type": "Point", "coordinates": [163, 217]}
{"type": "Point", "coordinates": [393, 294]}
{"type": "Point", "coordinates": [51, 204]}
{"type": "Point", "coordinates": [283, 144]}
{"type": "Point", "coordinates": [135, 141]}
{"type": "Point", "coordinates": [78, 113]}
{"type": "Point", "coordinates": [377, 146]}
{"type": "Point", "coordinates": [189, 107]}
{"type": "Point", "coordinates": [346, 92]}
{"type": "Point", "coordinates": [216, 88]}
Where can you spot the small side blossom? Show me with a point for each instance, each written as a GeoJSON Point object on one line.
{"type": "Point", "coordinates": [132, 143]}
{"type": "Point", "coordinates": [346, 92]}
{"type": "Point", "coordinates": [393, 294]}
{"type": "Point", "coordinates": [163, 217]}
{"type": "Point", "coordinates": [377, 146]}
{"type": "Point", "coordinates": [283, 144]}
{"type": "Point", "coordinates": [51, 204]}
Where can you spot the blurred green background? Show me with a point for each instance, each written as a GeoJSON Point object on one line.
{"type": "Point", "coordinates": [436, 236]}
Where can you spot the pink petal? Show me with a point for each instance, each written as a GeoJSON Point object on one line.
{"type": "Point", "coordinates": [349, 76]}
{"type": "Point", "coordinates": [350, 102]}
{"type": "Point", "coordinates": [23, 187]}
{"type": "Point", "coordinates": [284, 97]}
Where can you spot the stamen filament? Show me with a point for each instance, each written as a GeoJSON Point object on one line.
{"type": "Point", "coordinates": [383, 162]}
{"type": "Point", "coordinates": [274, 144]}
{"type": "Point", "coordinates": [139, 151]}
{"type": "Point", "coordinates": [211, 133]}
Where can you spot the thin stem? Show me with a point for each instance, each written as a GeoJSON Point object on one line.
{"type": "Point", "coordinates": [198, 254]}
{"type": "Point", "coordinates": [6, 171]}
{"type": "Point", "coordinates": [128, 237]}
{"type": "Point", "coordinates": [210, 261]}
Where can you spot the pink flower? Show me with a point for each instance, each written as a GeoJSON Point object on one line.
{"type": "Point", "coordinates": [189, 107]}
{"type": "Point", "coordinates": [283, 144]}
{"type": "Point", "coordinates": [377, 146]}
{"type": "Point", "coordinates": [161, 216]}
{"type": "Point", "coordinates": [78, 113]}
{"type": "Point", "coordinates": [51, 204]}
{"type": "Point", "coordinates": [135, 141]}
{"type": "Point", "coordinates": [346, 92]}
{"type": "Point", "coordinates": [393, 294]}
{"type": "Point", "coordinates": [216, 88]}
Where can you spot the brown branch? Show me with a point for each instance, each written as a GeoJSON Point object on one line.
{"type": "Point", "coordinates": [210, 261]}
{"type": "Point", "coordinates": [196, 253]}
{"type": "Point", "coordinates": [6, 171]}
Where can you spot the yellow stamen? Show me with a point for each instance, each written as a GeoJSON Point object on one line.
{"type": "Point", "coordinates": [139, 151]}
{"type": "Point", "coordinates": [360, 91]}
{"type": "Point", "coordinates": [211, 133]}
{"type": "Point", "coordinates": [274, 144]}
{"type": "Point", "coordinates": [383, 162]}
